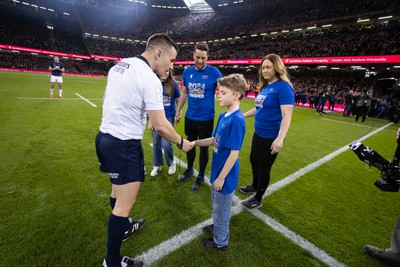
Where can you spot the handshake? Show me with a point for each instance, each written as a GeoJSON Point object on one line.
{"type": "Point", "coordinates": [186, 145]}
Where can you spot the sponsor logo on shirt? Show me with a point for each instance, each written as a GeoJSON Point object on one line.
{"type": "Point", "coordinates": [120, 67]}
{"type": "Point", "coordinates": [159, 92]}
{"type": "Point", "coordinates": [216, 143]}
{"type": "Point", "coordinates": [258, 102]}
{"type": "Point", "coordinates": [113, 175]}
{"type": "Point", "coordinates": [196, 90]}
{"type": "Point", "coordinates": [167, 101]}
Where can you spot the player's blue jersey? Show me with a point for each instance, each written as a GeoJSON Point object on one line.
{"type": "Point", "coordinates": [53, 64]}
{"type": "Point", "coordinates": [268, 117]}
{"type": "Point", "coordinates": [169, 101]}
{"type": "Point", "coordinates": [228, 135]}
{"type": "Point", "coordinates": [200, 87]}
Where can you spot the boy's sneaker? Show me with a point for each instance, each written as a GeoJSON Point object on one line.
{"type": "Point", "coordinates": [127, 262]}
{"type": "Point", "coordinates": [209, 229]}
{"type": "Point", "coordinates": [198, 183]}
{"type": "Point", "coordinates": [252, 203]}
{"type": "Point", "coordinates": [155, 171]}
{"type": "Point", "coordinates": [60, 96]}
{"type": "Point", "coordinates": [172, 168]}
{"type": "Point", "coordinates": [209, 243]}
{"type": "Point", "coordinates": [51, 95]}
{"type": "Point", "coordinates": [135, 226]}
{"type": "Point", "coordinates": [185, 176]}
{"type": "Point", "coordinates": [248, 189]}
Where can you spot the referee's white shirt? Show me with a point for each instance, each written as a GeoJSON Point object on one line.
{"type": "Point", "coordinates": [132, 89]}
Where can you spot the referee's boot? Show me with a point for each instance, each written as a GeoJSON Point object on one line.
{"type": "Point", "coordinates": [135, 226]}
{"type": "Point", "coordinates": [126, 262]}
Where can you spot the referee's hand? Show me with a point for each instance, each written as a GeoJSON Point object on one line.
{"type": "Point", "coordinates": [187, 146]}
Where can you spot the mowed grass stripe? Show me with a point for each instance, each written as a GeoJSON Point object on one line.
{"type": "Point", "coordinates": [55, 200]}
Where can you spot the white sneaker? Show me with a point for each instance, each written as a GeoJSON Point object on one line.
{"type": "Point", "coordinates": [155, 170]}
{"type": "Point", "coordinates": [172, 168]}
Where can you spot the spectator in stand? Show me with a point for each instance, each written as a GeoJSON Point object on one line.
{"type": "Point", "coordinates": [297, 97]}
{"type": "Point", "coordinates": [311, 99]}
{"type": "Point", "coordinates": [363, 104]}
{"type": "Point", "coordinates": [247, 89]}
{"type": "Point", "coordinates": [349, 102]}
{"type": "Point", "coordinates": [322, 97]}
{"type": "Point", "coordinates": [332, 100]}
{"type": "Point", "coordinates": [382, 108]}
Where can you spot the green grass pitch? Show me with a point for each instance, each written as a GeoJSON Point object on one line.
{"type": "Point", "coordinates": [55, 202]}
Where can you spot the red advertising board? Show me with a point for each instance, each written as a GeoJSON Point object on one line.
{"type": "Point", "coordinates": [382, 59]}
{"type": "Point", "coordinates": [40, 51]}
{"type": "Point", "coordinates": [388, 59]}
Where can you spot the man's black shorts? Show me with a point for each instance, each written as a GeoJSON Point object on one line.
{"type": "Point", "coordinates": [123, 160]}
{"type": "Point", "coordinates": [198, 129]}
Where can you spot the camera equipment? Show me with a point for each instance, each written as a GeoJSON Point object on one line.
{"type": "Point", "coordinates": [390, 172]}
{"type": "Point", "coordinates": [387, 88]}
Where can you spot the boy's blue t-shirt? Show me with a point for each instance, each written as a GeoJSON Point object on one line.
{"type": "Point", "coordinates": [228, 135]}
{"type": "Point", "coordinates": [268, 117]}
{"type": "Point", "coordinates": [169, 101]}
{"type": "Point", "coordinates": [200, 86]}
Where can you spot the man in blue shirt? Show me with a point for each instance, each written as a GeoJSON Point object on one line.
{"type": "Point", "coordinates": [199, 85]}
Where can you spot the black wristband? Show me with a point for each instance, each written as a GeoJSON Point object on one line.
{"type": "Point", "coordinates": [180, 145]}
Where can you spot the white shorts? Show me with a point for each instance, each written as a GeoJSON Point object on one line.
{"type": "Point", "coordinates": [54, 79]}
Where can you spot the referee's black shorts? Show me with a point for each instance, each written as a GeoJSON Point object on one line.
{"type": "Point", "coordinates": [123, 160]}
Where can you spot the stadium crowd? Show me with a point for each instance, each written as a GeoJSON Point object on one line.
{"type": "Point", "coordinates": [68, 32]}
{"type": "Point", "coordinates": [57, 32]}
{"type": "Point", "coordinates": [258, 17]}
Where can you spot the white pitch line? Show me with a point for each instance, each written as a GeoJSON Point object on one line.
{"type": "Point", "coordinates": [294, 176]}
{"type": "Point", "coordinates": [86, 100]}
{"type": "Point", "coordinates": [156, 253]}
{"type": "Point", "coordinates": [56, 98]}
{"type": "Point", "coordinates": [298, 240]}
{"type": "Point", "coordinates": [355, 124]}
{"type": "Point", "coordinates": [185, 237]}
{"type": "Point", "coordinates": [47, 98]}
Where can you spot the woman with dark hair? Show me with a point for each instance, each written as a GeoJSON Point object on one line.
{"type": "Point", "coordinates": [171, 95]}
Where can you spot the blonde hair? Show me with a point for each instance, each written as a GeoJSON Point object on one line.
{"type": "Point", "coordinates": [279, 68]}
{"type": "Point", "coordinates": [234, 82]}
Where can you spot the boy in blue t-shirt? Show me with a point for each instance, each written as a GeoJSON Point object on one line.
{"type": "Point", "coordinates": [227, 140]}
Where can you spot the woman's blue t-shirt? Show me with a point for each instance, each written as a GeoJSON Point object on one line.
{"type": "Point", "coordinates": [268, 117]}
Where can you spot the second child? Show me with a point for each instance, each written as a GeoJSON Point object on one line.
{"type": "Point", "coordinates": [227, 140]}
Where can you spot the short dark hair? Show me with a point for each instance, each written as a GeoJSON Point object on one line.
{"type": "Point", "coordinates": [160, 39]}
{"type": "Point", "coordinates": [201, 47]}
